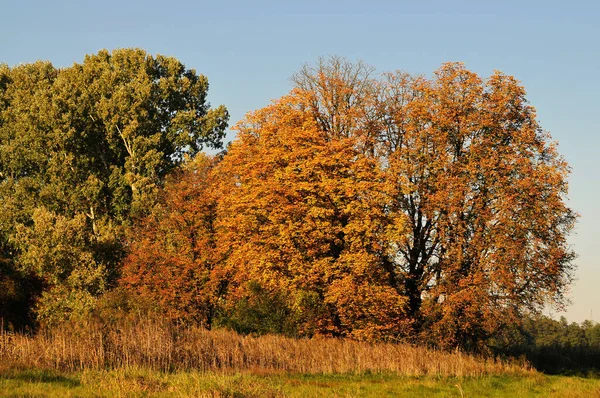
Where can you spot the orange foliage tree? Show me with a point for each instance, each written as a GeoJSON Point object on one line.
{"type": "Point", "coordinates": [483, 190]}
{"type": "Point", "coordinates": [460, 198]}
{"type": "Point", "coordinates": [302, 212]}
{"type": "Point", "coordinates": [171, 258]}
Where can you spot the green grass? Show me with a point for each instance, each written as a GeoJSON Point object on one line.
{"type": "Point", "coordinates": [144, 383]}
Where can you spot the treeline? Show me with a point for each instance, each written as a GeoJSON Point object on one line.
{"type": "Point", "coordinates": [553, 346]}
{"type": "Point", "coordinates": [393, 207]}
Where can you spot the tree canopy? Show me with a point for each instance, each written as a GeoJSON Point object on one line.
{"type": "Point", "coordinates": [171, 259]}
{"type": "Point", "coordinates": [83, 149]}
{"type": "Point", "coordinates": [482, 189]}
{"type": "Point", "coordinates": [303, 212]}
{"type": "Point", "coordinates": [424, 209]}
{"type": "Point", "coordinates": [376, 207]}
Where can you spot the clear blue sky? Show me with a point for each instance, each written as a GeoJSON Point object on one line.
{"type": "Point", "coordinates": [249, 49]}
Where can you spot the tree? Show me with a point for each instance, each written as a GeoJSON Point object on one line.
{"type": "Point", "coordinates": [483, 190]}
{"type": "Point", "coordinates": [302, 214]}
{"type": "Point", "coordinates": [59, 250]}
{"type": "Point", "coordinates": [91, 145]}
{"type": "Point", "coordinates": [171, 258]}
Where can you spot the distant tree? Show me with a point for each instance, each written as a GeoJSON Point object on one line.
{"type": "Point", "coordinates": [592, 333]}
{"type": "Point", "coordinates": [85, 148]}
{"type": "Point", "coordinates": [553, 346]}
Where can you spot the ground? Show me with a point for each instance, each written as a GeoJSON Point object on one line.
{"type": "Point", "coordinates": [144, 383]}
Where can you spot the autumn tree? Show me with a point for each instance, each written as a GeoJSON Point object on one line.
{"type": "Point", "coordinates": [82, 150]}
{"type": "Point", "coordinates": [302, 213]}
{"type": "Point", "coordinates": [483, 189]}
{"type": "Point", "coordinates": [171, 259]}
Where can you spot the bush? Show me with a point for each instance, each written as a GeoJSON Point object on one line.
{"type": "Point", "coordinates": [259, 312]}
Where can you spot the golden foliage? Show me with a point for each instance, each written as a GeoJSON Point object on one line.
{"type": "Point", "coordinates": [302, 211]}
{"type": "Point", "coordinates": [394, 208]}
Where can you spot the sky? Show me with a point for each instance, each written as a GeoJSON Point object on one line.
{"type": "Point", "coordinates": [249, 49]}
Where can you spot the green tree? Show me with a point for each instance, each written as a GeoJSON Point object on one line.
{"type": "Point", "coordinates": [86, 148]}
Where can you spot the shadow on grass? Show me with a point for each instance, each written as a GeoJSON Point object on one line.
{"type": "Point", "coordinates": [39, 376]}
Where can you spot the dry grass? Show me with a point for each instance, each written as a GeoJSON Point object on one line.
{"type": "Point", "coordinates": [158, 345]}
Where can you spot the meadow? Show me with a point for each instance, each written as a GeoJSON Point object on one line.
{"type": "Point", "coordinates": [133, 382]}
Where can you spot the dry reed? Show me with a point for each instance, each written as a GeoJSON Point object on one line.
{"type": "Point", "coordinates": [159, 345]}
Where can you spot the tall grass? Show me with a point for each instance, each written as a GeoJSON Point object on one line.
{"type": "Point", "coordinates": [159, 345]}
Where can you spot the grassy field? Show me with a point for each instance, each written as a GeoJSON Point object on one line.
{"type": "Point", "coordinates": [150, 358]}
{"type": "Point", "coordinates": [145, 383]}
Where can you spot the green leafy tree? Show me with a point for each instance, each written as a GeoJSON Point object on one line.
{"type": "Point", "coordinates": [86, 148]}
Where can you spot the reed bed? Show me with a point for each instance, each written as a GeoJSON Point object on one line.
{"type": "Point", "coordinates": [161, 346]}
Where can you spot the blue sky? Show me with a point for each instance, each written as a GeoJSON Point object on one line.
{"type": "Point", "coordinates": [248, 50]}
